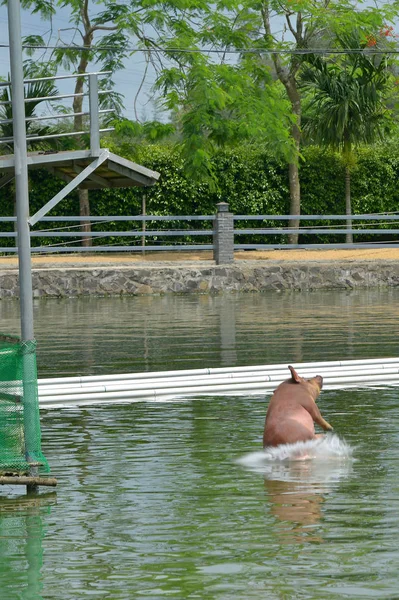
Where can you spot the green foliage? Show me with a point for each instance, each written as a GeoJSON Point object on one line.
{"type": "Point", "coordinates": [34, 91]}
{"type": "Point", "coordinates": [254, 182]}
{"type": "Point", "coordinates": [32, 41]}
{"type": "Point", "coordinates": [105, 34]}
{"type": "Point", "coordinates": [132, 131]}
{"type": "Point", "coordinates": [224, 105]}
{"type": "Point", "coordinates": [250, 179]}
{"type": "Point", "coordinates": [346, 103]}
{"type": "Point", "coordinates": [45, 8]}
{"type": "Point", "coordinates": [375, 187]}
{"type": "Point", "coordinates": [322, 182]}
{"type": "Point", "coordinates": [347, 97]}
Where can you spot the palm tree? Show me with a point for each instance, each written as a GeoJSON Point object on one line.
{"type": "Point", "coordinates": [347, 101]}
{"type": "Point", "coordinates": [33, 92]}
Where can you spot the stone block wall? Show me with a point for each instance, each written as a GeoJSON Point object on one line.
{"type": "Point", "coordinates": [202, 278]}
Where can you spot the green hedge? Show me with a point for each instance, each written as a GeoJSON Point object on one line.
{"type": "Point", "coordinates": [374, 187]}
{"type": "Point", "coordinates": [249, 180]}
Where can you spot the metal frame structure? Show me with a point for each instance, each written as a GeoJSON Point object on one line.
{"type": "Point", "coordinates": [89, 169]}
{"type": "Point", "coordinates": [83, 167]}
{"type": "Point", "coordinates": [93, 168]}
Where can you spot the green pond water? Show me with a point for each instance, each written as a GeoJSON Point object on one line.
{"type": "Point", "coordinates": [152, 501]}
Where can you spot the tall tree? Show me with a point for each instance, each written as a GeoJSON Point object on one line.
{"type": "Point", "coordinates": [218, 105]}
{"type": "Point", "coordinates": [223, 98]}
{"type": "Point", "coordinates": [214, 100]}
{"type": "Point", "coordinates": [293, 28]}
{"type": "Point", "coordinates": [93, 28]}
{"type": "Point", "coordinates": [348, 99]}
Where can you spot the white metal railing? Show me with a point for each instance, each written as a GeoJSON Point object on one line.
{"type": "Point", "coordinates": [93, 113]}
{"type": "Point", "coordinates": [153, 238]}
{"type": "Point", "coordinates": [328, 230]}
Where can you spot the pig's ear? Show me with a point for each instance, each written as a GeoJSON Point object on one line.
{"type": "Point", "coordinates": [295, 377]}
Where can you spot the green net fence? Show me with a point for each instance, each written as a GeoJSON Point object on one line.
{"type": "Point", "coordinates": [20, 437]}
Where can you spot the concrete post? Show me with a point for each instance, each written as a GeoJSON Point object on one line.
{"type": "Point", "coordinates": [223, 235]}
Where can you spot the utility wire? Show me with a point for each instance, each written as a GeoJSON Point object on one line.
{"type": "Point", "coordinates": [299, 51]}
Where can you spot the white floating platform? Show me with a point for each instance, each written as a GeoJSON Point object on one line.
{"type": "Point", "coordinates": [251, 380]}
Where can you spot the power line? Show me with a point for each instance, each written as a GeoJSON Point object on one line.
{"type": "Point", "coordinates": [296, 51]}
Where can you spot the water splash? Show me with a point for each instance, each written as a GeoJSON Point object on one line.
{"type": "Point", "coordinates": [325, 460]}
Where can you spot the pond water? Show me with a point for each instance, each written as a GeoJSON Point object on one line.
{"type": "Point", "coordinates": [152, 500]}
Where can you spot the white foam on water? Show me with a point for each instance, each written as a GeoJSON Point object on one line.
{"type": "Point", "coordinates": [327, 447]}
{"type": "Point", "coordinates": [325, 460]}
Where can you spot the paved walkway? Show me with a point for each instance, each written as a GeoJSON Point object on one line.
{"type": "Point", "coordinates": [112, 259]}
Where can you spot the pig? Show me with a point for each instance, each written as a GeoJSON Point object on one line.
{"type": "Point", "coordinates": [292, 411]}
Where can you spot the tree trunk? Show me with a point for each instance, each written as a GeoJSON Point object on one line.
{"type": "Point", "coordinates": [293, 167]}
{"type": "Point", "coordinates": [84, 211]}
{"type": "Point", "coordinates": [295, 200]}
{"type": "Point", "coordinates": [287, 76]}
{"type": "Point", "coordinates": [348, 206]}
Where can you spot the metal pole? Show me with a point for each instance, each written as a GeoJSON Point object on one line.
{"type": "Point", "coordinates": [21, 170]}
{"type": "Point", "coordinates": [31, 422]}
{"type": "Point", "coordinates": [143, 225]}
{"type": "Point", "coordinates": [94, 116]}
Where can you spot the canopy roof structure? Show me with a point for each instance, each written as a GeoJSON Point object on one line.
{"type": "Point", "coordinates": [112, 171]}
{"type": "Point", "coordinates": [81, 168]}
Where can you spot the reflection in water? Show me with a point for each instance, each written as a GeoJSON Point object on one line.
{"type": "Point", "coordinates": [125, 334]}
{"type": "Point", "coordinates": [151, 504]}
{"type": "Point", "coordinates": [298, 509]}
{"type": "Point", "coordinates": [298, 488]}
{"type": "Point", "coordinates": [297, 492]}
{"type": "Point", "coordinates": [22, 532]}
{"type": "Point", "coordinates": [228, 352]}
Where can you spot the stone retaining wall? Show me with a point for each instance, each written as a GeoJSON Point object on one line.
{"type": "Point", "coordinates": [200, 278]}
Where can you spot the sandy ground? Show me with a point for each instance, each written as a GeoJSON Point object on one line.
{"type": "Point", "coordinates": [86, 259]}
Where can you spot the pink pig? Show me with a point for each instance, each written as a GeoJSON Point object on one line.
{"type": "Point", "coordinates": [293, 411]}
